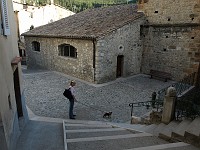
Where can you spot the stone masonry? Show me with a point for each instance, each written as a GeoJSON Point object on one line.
{"type": "Point", "coordinates": [171, 11]}
{"type": "Point", "coordinates": [48, 58]}
{"type": "Point", "coordinates": [171, 49]}
{"type": "Point", "coordinates": [124, 41]}
{"type": "Point", "coordinates": [171, 36]}
{"type": "Point", "coordinates": [169, 40]}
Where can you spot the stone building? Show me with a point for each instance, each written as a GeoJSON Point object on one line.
{"type": "Point", "coordinates": [13, 113]}
{"type": "Point", "coordinates": [96, 45]}
{"type": "Point", "coordinates": [171, 36]}
{"type": "Point", "coordinates": [168, 39]}
{"type": "Point", "coordinates": [28, 16]}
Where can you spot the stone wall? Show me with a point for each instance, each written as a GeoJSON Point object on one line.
{"type": "Point", "coordinates": [171, 36]}
{"type": "Point", "coordinates": [48, 58]}
{"type": "Point", "coordinates": [124, 41]}
{"type": "Point", "coordinates": [171, 49]}
{"type": "Point", "coordinates": [171, 11]}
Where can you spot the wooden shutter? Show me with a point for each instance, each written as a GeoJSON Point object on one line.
{"type": "Point", "coordinates": [4, 9]}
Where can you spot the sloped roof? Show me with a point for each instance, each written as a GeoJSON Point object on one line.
{"type": "Point", "coordinates": [91, 23]}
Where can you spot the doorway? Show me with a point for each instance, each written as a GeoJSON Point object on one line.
{"type": "Point", "coordinates": [120, 63]}
{"type": "Point", "coordinates": [17, 93]}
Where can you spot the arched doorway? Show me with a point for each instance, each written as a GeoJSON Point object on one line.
{"type": "Point", "coordinates": [120, 64]}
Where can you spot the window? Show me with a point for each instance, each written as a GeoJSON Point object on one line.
{"type": "Point", "coordinates": [36, 46]}
{"type": "Point", "coordinates": [4, 20]}
{"type": "Point", "coordinates": [67, 50]}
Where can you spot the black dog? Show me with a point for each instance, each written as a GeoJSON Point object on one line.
{"type": "Point", "coordinates": [107, 114]}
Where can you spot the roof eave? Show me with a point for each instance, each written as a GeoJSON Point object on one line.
{"type": "Point", "coordinates": [63, 37]}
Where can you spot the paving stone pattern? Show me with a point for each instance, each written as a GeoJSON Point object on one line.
{"type": "Point", "coordinates": [43, 92]}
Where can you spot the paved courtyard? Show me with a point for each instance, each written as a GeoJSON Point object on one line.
{"type": "Point", "coordinates": [43, 92]}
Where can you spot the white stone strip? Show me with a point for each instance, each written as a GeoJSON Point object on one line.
{"type": "Point", "coordinates": [108, 137]}
{"type": "Point", "coordinates": [87, 125]}
{"type": "Point", "coordinates": [64, 134]}
{"type": "Point", "coordinates": [84, 122]}
{"type": "Point", "coordinates": [162, 146]}
{"type": "Point", "coordinates": [95, 130]}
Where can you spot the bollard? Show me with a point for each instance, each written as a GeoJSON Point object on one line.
{"type": "Point", "coordinates": [169, 105]}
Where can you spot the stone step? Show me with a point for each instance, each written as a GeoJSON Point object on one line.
{"type": "Point", "coordinates": [114, 142]}
{"type": "Point", "coordinates": [157, 129]}
{"type": "Point", "coordinates": [166, 133]}
{"type": "Point", "coordinates": [135, 127]}
{"type": "Point", "coordinates": [70, 121]}
{"type": "Point", "coordinates": [179, 132]}
{"type": "Point", "coordinates": [169, 146]}
{"type": "Point", "coordinates": [97, 134]}
{"type": "Point", "coordinates": [90, 139]}
{"type": "Point", "coordinates": [192, 134]}
{"type": "Point", "coordinates": [194, 127]}
{"type": "Point", "coordinates": [86, 126]}
{"type": "Point", "coordinates": [118, 136]}
{"type": "Point", "coordinates": [95, 130]}
{"type": "Point", "coordinates": [150, 127]}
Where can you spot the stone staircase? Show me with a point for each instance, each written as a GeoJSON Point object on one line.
{"type": "Point", "coordinates": [186, 131]}
{"type": "Point", "coordinates": [94, 135]}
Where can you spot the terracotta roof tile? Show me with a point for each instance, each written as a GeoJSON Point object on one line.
{"type": "Point", "coordinates": [91, 23]}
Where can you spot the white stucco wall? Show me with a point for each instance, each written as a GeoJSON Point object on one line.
{"type": "Point", "coordinates": [38, 16]}
{"type": "Point", "coordinates": [8, 51]}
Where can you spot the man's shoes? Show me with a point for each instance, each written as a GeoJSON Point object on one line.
{"type": "Point", "coordinates": [72, 118]}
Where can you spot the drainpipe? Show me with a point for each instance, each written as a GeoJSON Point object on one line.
{"type": "Point", "coordinates": [94, 55]}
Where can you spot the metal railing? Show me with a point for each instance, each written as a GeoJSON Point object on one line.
{"type": "Point", "coordinates": [148, 104]}
{"type": "Point", "coordinates": [180, 86]}
{"type": "Point", "coordinates": [188, 105]}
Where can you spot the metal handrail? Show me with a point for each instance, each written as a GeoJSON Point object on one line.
{"type": "Point", "coordinates": [180, 86]}
{"type": "Point", "coordinates": [153, 103]}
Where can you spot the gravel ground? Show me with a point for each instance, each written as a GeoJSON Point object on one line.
{"type": "Point", "coordinates": [43, 92]}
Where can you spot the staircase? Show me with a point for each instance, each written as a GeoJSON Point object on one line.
{"type": "Point", "coordinates": [94, 135]}
{"type": "Point", "coordinates": [186, 131]}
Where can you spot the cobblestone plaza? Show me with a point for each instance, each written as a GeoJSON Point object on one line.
{"type": "Point", "coordinates": [43, 91]}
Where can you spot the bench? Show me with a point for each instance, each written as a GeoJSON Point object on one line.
{"type": "Point", "coordinates": [160, 74]}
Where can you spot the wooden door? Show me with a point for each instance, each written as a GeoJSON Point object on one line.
{"type": "Point", "coordinates": [120, 62]}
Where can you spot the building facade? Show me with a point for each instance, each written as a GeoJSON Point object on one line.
{"type": "Point", "coordinates": [13, 114]}
{"type": "Point", "coordinates": [100, 48]}
{"type": "Point", "coordinates": [166, 40]}
{"type": "Point", "coordinates": [171, 36]}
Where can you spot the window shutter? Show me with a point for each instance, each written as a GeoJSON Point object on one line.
{"type": "Point", "coordinates": [4, 8]}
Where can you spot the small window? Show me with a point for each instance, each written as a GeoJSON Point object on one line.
{"type": "Point", "coordinates": [67, 50]}
{"type": "Point", "coordinates": [36, 46]}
